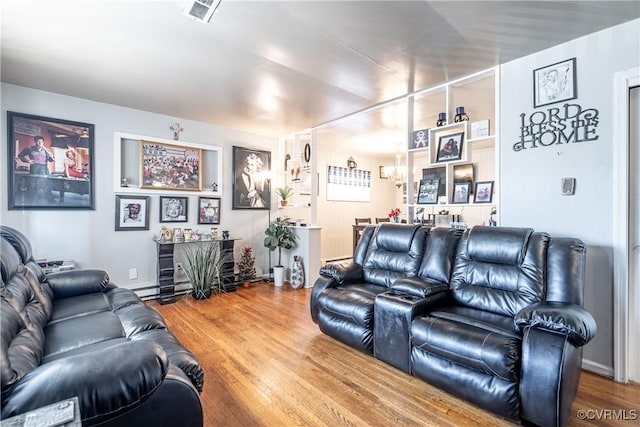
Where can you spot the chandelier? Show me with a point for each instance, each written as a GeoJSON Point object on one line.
{"type": "Point", "coordinates": [397, 173]}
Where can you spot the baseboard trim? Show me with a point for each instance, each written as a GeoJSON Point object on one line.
{"type": "Point", "coordinates": [597, 368]}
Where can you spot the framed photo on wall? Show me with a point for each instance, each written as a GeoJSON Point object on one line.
{"type": "Point", "coordinates": [174, 209]}
{"type": "Point", "coordinates": [420, 139]}
{"type": "Point", "coordinates": [461, 192]}
{"type": "Point", "coordinates": [555, 83]}
{"type": "Point", "coordinates": [132, 213]}
{"type": "Point", "coordinates": [208, 210]}
{"type": "Point", "coordinates": [170, 167]}
{"type": "Point", "coordinates": [450, 147]}
{"type": "Point", "coordinates": [483, 192]}
{"type": "Point", "coordinates": [428, 191]}
{"type": "Point", "coordinates": [250, 179]}
{"type": "Point", "coordinates": [50, 163]}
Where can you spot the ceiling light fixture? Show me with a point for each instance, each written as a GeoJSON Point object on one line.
{"type": "Point", "coordinates": [201, 10]}
{"type": "Point", "coordinates": [398, 173]}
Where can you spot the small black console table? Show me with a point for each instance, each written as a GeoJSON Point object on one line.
{"type": "Point", "coordinates": [166, 253]}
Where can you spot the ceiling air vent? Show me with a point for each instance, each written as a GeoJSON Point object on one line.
{"type": "Point", "coordinates": [201, 10]}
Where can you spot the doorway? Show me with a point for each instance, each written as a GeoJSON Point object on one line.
{"type": "Point", "coordinates": [626, 190]}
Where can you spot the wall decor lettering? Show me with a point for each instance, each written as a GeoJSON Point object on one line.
{"type": "Point", "coordinates": [555, 126]}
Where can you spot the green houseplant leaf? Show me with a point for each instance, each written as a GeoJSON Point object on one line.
{"type": "Point", "coordinates": [279, 236]}
{"type": "Point", "coordinates": [203, 266]}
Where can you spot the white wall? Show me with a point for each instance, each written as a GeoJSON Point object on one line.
{"type": "Point", "coordinates": [337, 217]}
{"type": "Point", "coordinates": [530, 179]}
{"type": "Point", "coordinates": [88, 237]}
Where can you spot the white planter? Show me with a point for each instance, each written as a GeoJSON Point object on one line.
{"type": "Point", "coordinates": [278, 276]}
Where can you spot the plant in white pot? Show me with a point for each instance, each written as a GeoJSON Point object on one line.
{"type": "Point", "coordinates": [203, 265]}
{"type": "Point", "coordinates": [279, 236]}
{"type": "Point", "coordinates": [285, 193]}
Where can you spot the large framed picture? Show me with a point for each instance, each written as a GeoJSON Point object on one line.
{"type": "Point", "coordinates": [428, 191]}
{"type": "Point", "coordinates": [555, 83]}
{"type": "Point", "coordinates": [208, 210]}
{"type": "Point", "coordinates": [450, 147]}
{"type": "Point", "coordinates": [483, 192]}
{"type": "Point", "coordinates": [174, 209]}
{"type": "Point", "coordinates": [50, 163]}
{"type": "Point", "coordinates": [132, 213]}
{"type": "Point", "coordinates": [170, 167]}
{"type": "Point", "coordinates": [461, 192]}
{"type": "Point", "coordinates": [250, 179]}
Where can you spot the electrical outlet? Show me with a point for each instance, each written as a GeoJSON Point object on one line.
{"type": "Point", "coordinates": [133, 273]}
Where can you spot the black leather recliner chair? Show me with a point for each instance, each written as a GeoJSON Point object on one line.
{"type": "Point", "coordinates": [343, 296]}
{"type": "Point", "coordinates": [505, 331]}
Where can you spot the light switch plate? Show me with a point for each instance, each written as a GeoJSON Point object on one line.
{"type": "Point", "coordinates": [568, 186]}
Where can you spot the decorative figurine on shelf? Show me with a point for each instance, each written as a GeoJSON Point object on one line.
{"type": "Point", "coordinates": [297, 273]}
{"type": "Point", "coordinates": [166, 235]}
{"type": "Point", "coordinates": [246, 266]}
{"type": "Point", "coordinates": [225, 234]}
{"type": "Point", "coordinates": [442, 119]}
{"type": "Point", "coordinates": [214, 186]}
{"type": "Point", "coordinates": [178, 236]}
{"type": "Point", "coordinates": [124, 182]}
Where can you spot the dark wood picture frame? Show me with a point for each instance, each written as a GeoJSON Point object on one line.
{"type": "Point", "coordinates": [65, 179]}
{"type": "Point", "coordinates": [170, 167]}
{"type": "Point", "coordinates": [174, 209]}
{"type": "Point", "coordinates": [483, 192]}
{"type": "Point", "coordinates": [251, 184]}
{"type": "Point", "coordinates": [555, 83]}
{"type": "Point", "coordinates": [461, 192]}
{"type": "Point", "coordinates": [450, 147]}
{"type": "Point", "coordinates": [132, 213]}
{"type": "Point", "coordinates": [428, 191]}
{"type": "Point", "coordinates": [209, 210]}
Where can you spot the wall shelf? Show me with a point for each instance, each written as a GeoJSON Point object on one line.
{"type": "Point", "coordinates": [127, 164]}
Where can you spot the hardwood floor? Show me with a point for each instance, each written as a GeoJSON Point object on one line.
{"type": "Point", "coordinates": [267, 364]}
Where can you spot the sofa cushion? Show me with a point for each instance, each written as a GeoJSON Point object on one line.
{"type": "Point", "coordinates": [67, 308]}
{"type": "Point", "coordinates": [497, 286]}
{"type": "Point", "coordinates": [21, 347]}
{"type": "Point", "coordinates": [480, 341]}
{"type": "Point", "coordinates": [353, 303]}
{"type": "Point", "coordinates": [504, 245]}
{"type": "Point", "coordinates": [81, 331]}
{"type": "Point", "coordinates": [395, 251]}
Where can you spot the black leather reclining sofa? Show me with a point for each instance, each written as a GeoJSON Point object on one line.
{"type": "Point", "coordinates": [75, 334]}
{"type": "Point", "coordinates": [492, 314]}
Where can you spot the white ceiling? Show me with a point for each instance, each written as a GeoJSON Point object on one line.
{"type": "Point", "coordinates": [275, 67]}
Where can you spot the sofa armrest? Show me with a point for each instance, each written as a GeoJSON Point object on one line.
{"type": "Point", "coordinates": [77, 282]}
{"type": "Point", "coordinates": [116, 379]}
{"type": "Point", "coordinates": [418, 286]}
{"type": "Point", "coordinates": [566, 318]}
{"type": "Point", "coordinates": [343, 272]}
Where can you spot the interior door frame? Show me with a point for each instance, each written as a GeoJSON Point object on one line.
{"type": "Point", "coordinates": [623, 81]}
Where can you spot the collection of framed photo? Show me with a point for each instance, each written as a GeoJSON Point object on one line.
{"type": "Point", "coordinates": [428, 192]}
{"type": "Point", "coordinates": [132, 212]}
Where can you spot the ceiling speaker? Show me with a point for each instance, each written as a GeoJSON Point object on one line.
{"type": "Point", "coordinates": [201, 10]}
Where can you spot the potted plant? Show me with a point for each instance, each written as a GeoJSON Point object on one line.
{"type": "Point", "coordinates": [279, 236]}
{"type": "Point", "coordinates": [246, 266]}
{"type": "Point", "coordinates": [285, 193]}
{"type": "Point", "coordinates": [203, 265]}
